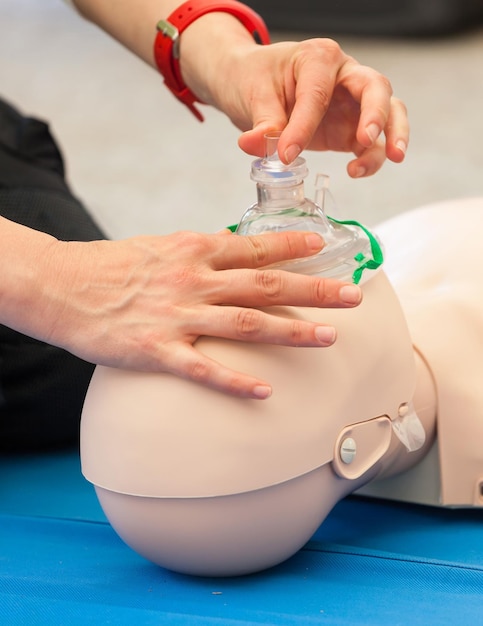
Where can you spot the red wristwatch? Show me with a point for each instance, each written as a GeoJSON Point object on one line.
{"type": "Point", "coordinates": [166, 44]}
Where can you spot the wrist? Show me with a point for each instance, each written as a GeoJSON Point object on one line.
{"type": "Point", "coordinates": [204, 66]}
{"type": "Point", "coordinates": [200, 67]}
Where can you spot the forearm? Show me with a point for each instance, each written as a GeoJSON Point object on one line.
{"type": "Point", "coordinates": [24, 278]}
{"type": "Point", "coordinates": [205, 46]}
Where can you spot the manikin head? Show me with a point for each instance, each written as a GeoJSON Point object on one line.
{"type": "Point", "coordinates": [207, 484]}
{"type": "Point", "coordinates": [204, 483]}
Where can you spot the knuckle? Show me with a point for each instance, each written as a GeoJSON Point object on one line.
{"type": "Point", "coordinates": [332, 49]}
{"type": "Point", "coordinates": [373, 76]}
{"type": "Point", "coordinates": [293, 240]}
{"type": "Point", "coordinates": [386, 84]}
{"type": "Point", "coordinates": [322, 96]}
{"type": "Point", "coordinates": [199, 371]}
{"type": "Point", "coordinates": [322, 52]}
{"type": "Point", "coordinates": [259, 250]}
{"type": "Point", "coordinates": [399, 104]}
{"type": "Point", "coordinates": [195, 243]}
{"type": "Point", "coordinates": [321, 46]}
{"type": "Point", "coordinates": [320, 291]}
{"type": "Point", "coordinates": [296, 333]}
{"type": "Point", "coordinates": [248, 323]}
{"type": "Point", "coordinates": [269, 283]}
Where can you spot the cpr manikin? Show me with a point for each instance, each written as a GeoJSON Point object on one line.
{"type": "Point", "coordinates": [204, 483]}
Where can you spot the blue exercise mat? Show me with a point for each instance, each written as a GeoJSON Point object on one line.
{"type": "Point", "coordinates": [371, 562]}
{"type": "Point", "coordinates": [47, 485]}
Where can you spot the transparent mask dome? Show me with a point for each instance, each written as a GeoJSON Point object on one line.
{"type": "Point", "coordinates": [282, 206]}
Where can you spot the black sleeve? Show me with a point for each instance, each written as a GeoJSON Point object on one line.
{"type": "Point", "coordinates": [42, 388]}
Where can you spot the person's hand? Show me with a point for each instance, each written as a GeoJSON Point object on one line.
{"type": "Point", "coordinates": [312, 91]}
{"type": "Point", "coordinates": [318, 96]}
{"type": "Point", "coordinates": [141, 303]}
{"type": "Point", "coordinates": [321, 98]}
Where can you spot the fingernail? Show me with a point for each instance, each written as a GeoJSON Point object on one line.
{"type": "Point", "coordinates": [314, 241]}
{"type": "Point", "coordinates": [360, 172]}
{"type": "Point", "coordinates": [401, 145]}
{"type": "Point", "coordinates": [292, 152]}
{"type": "Point", "coordinates": [350, 294]}
{"type": "Point", "coordinates": [325, 334]}
{"type": "Point", "coordinates": [373, 131]}
{"type": "Point", "coordinates": [262, 391]}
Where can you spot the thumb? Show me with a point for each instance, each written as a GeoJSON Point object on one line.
{"type": "Point", "coordinates": [268, 116]}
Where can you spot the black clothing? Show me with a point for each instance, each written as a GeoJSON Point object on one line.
{"type": "Point", "coordinates": [42, 388]}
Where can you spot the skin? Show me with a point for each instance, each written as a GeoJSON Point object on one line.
{"type": "Point", "coordinates": [321, 99]}
{"type": "Point", "coordinates": [312, 91]}
{"type": "Point", "coordinates": [141, 303]}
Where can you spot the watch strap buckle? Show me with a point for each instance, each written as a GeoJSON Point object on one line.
{"type": "Point", "coordinates": [169, 30]}
{"type": "Point", "coordinates": [166, 45]}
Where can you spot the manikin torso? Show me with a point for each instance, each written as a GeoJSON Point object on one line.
{"type": "Point", "coordinates": [431, 260]}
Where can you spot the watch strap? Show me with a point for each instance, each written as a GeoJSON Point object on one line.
{"type": "Point", "coordinates": [166, 44]}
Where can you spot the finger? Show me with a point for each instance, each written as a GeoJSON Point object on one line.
{"type": "Point", "coordinates": [259, 250]}
{"type": "Point", "coordinates": [368, 162]}
{"type": "Point", "coordinates": [253, 141]}
{"type": "Point", "coordinates": [315, 72]}
{"type": "Point", "coordinates": [275, 287]}
{"type": "Point", "coordinates": [267, 113]}
{"type": "Point", "coordinates": [254, 326]}
{"type": "Point", "coordinates": [397, 131]}
{"type": "Point", "coordinates": [373, 91]}
{"type": "Point", "coordinates": [189, 363]}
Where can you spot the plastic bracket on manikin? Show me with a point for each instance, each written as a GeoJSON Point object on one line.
{"type": "Point", "coordinates": [360, 446]}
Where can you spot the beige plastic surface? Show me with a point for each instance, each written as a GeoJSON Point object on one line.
{"type": "Point", "coordinates": [160, 436]}
{"type": "Point", "coordinates": [225, 535]}
{"type": "Point", "coordinates": [368, 443]}
{"type": "Point", "coordinates": [412, 477]}
{"type": "Point", "coordinates": [432, 259]}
